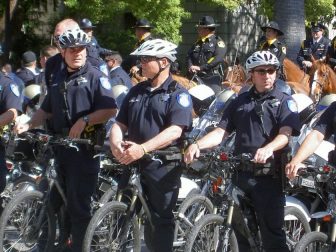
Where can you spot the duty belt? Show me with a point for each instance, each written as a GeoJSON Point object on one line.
{"type": "Point", "coordinates": [257, 169]}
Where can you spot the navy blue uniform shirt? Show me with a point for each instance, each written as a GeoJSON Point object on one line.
{"type": "Point", "coordinates": [53, 65]}
{"type": "Point", "coordinates": [318, 50]}
{"type": "Point", "coordinates": [10, 97]}
{"type": "Point", "coordinates": [27, 76]}
{"type": "Point", "coordinates": [240, 116]}
{"type": "Point", "coordinates": [207, 53]}
{"type": "Point", "coordinates": [326, 121]}
{"type": "Point", "coordinates": [147, 113]}
{"type": "Point", "coordinates": [277, 47]}
{"type": "Point", "coordinates": [88, 90]}
{"type": "Point", "coordinates": [119, 76]}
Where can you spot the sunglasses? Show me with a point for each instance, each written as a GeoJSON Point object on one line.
{"type": "Point", "coordinates": [146, 59]}
{"type": "Point", "coordinates": [264, 71]}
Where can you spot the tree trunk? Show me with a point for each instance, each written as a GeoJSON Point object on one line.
{"type": "Point", "coordinates": [290, 15]}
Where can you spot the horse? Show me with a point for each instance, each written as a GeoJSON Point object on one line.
{"type": "Point", "coordinates": [323, 80]}
{"type": "Point", "coordinates": [186, 83]}
{"type": "Point", "coordinates": [235, 77]}
{"type": "Point", "coordinates": [295, 77]}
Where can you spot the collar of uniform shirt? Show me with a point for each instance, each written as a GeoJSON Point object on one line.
{"type": "Point", "coordinates": [317, 41]}
{"type": "Point", "coordinates": [163, 86]}
{"type": "Point", "coordinates": [256, 95]}
{"type": "Point", "coordinates": [271, 41]}
{"type": "Point", "coordinates": [143, 37]}
{"type": "Point", "coordinates": [205, 38]}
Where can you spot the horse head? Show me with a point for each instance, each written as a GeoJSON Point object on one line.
{"type": "Point", "coordinates": [235, 76]}
{"type": "Point", "coordinates": [323, 80]}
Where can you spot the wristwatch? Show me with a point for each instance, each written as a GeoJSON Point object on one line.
{"type": "Point", "coordinates": [86, 119]}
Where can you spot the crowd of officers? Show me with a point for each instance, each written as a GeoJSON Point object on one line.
{"type": "Point", "coordinates": [78, 79]}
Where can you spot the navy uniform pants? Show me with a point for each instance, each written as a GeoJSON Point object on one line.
{"type": "Point", "coordinates": [161, 185]}
{"type": "Point", "coordinates": [268, 201]}
{"type": "Point", "coordinates": [79, 173]}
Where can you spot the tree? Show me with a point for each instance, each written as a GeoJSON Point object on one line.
{"type": "Point", "coordinates": [293, 25]}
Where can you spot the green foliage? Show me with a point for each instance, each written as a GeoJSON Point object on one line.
{"type": "Point", "coordinates": [319, 10]}
{"type": "Point", "coordinates": [266, 8]}
{"type": "Point", "coordinates": [228, 4]}
{"type": "Point", "coordinates": [166, 15]}
{"type": "Point", "coordinates": [315, 10]}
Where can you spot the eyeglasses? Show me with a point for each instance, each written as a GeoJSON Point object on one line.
{"type": "Point", "coordinates": [264, 71]}
{"type": "Point", "coordinates": [56, 38]}
{"type": "Point", "coordinates": [146, 59]}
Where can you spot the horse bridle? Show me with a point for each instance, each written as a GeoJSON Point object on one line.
{"type": "Point", "coordinates": [317, 97]}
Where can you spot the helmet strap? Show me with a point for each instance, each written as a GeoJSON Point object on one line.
{"type": "Point", "coordinates": [158, 73]}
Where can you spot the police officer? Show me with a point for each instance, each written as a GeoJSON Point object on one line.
{"type": "Point", "coordinates": [29, 72]}
{"type": "Point", "coordinates": [56, 63]}
{"type": "Point", "coordinates": [264, 119]}
{"type": "Point", "coordinates": [271, 42]}
{"type": "Point", "coordinates": [94, 50]}
{"type": "Point", "coordinates": [315, 48]}
{"type": "Point", "coordinates": [143, 33]}
{"type": "Point", "coordinates": [45, 53]}
{"type": "Point", "coordinates": [155, 113]}
{"type": "Point", "coordinates": [77, 103]}
{"type": "Point", "coordinates": [207, 54]}
{"type": "Point", "coordinates": [10, 107]}
{"type": "Point", "coordinates": [323, 130]}
{"type": "Point", "coordinates": [117, 75]}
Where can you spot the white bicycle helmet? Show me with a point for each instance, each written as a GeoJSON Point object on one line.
{"type": "Point", "coordinates": [262, 58]}
{"type": "Point", "coordinates": [73, 38]}
{"type": "Point", "coordinates": [326, 101]}
{"type": "Point", "coordinates": [305, 106]}
{"type": "Point", "coordinates": [31, 91]}
{"type": "Point", "coordinates": [158, 48]}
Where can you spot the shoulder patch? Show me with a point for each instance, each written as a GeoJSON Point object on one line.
{"type": "Point", "coordinates": [104, 69]}
{"type": "Point", "coordinates": [105, 83]}
{"type": "Point", "coordinates": [220, 43]}
{"type": "Point", "coordinates": [14, 88]}
{"type": "Point", "coordinates": [292, 106]}
{"type": "Point", "coordinates": [183, 99]}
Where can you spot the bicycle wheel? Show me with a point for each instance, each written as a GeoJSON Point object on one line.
{"type": "Point", "coordinates": [209, 235]}
{"type": "Point", "coordinates": [190, 211]}
{"type": "Point", "coordinates": [19, 229]}
{"type": "Point", "coordinates": [313, 242]}
{"type": "Point", "coordinates": [109, 230]}
{"type": "Point", "coordinates": [108, 195]}
{"type": "Point", "coordinates": [296, 225]}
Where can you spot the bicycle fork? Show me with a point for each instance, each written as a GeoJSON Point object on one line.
{"type": "Point", "coordinates": [225, 231]}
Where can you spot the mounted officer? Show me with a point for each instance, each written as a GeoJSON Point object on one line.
{"type": "Point", "coordinates": [315, 48]}
{"type": "Point", "coordinates": [143, 33]}
{"type": "Point", "coordinates": [273, 44]}
{"type": "Point", "coordinates": [207, 54]}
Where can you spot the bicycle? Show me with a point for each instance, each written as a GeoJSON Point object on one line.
{"type": "Point", "coordinates": [116, 226]}
{"type": "Point", "coordinates": [214, 232]}
{"type": "Point", "coordinates": [318, 240]}
{"type": "Point", "coordinates": [28, 221]}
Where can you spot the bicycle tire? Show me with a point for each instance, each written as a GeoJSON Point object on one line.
{"type": "Point", "coordinates": [205, 235]}
{"type": "Point", "coordinates": [109, 195]}
{"type": "Point", "coordinates": [308, 242]}
{"type": "Point", "coordinates": [192, 208]}
{"type": "Point", "coordinates": [103, 232]}
{"type": "Point", "coordinates": [295, 226]}
{"type": "Point", "coordinates": [17, 222]}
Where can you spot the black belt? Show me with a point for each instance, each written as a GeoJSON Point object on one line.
{"type": "Point", "coordinates": [257, 169]}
